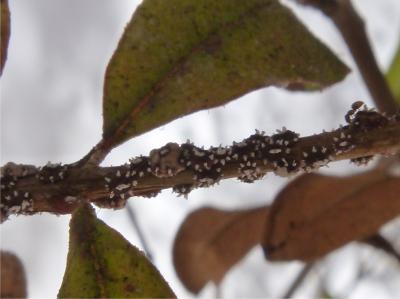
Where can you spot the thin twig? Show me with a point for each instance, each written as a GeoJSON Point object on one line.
{"type": "Point", "coordinates": [218, 290]}
{"type": "Point", "coordinates": [135, 223]}
{"type": "Point", "coordinates": [299, 280]}
{"type": "Point", "coordinates": [94, 157]}
{"type": "Point", "coordinates": [379, 242]}
{"type": "Point", "coordinates": [351, 27]}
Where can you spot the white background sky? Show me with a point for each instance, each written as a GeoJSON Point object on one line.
{"type": "Point", "coordinates": [51, 93]}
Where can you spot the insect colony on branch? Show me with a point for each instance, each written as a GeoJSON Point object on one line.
{"type": "Point", "coordinates": [284, 153]}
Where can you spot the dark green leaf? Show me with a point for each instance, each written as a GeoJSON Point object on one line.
{"type": "Point", "coordinates": [178, 56]}
{"type": "Point", "coordinates": [102, 264]}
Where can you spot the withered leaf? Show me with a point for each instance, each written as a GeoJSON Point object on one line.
{"type": "Point", "coordinates": [316, 214]}
{"type": "Point", "coordinates": [13, 280]}
{"type": "Point", "coordinates": [5, 33]}
{"type": "Point", "coordinates": [211, 241]}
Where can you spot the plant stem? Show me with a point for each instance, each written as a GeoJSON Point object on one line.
{"type": "Point", "coordinates": [135, 223]}
{"type": "Point", "coordinates": [378, 241]}
{"type": "Point", "coordinates": [299, 280]}
{"type": "Point", "coordinates": [351, 27]}
{"type": "Point", "coordinates": [61, 197]}
{"type": "Point", "coordinates": [94, 157]}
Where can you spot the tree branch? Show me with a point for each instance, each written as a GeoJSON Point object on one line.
{"type": "Point", "coordinates": [139, 231]}
{"type": "Point", "coordinates": [299, 280]}
{"type": "Point", "coordinates": [59, 188]}
{"type": "Point", "coordinates": [351, 27]}
{"type": "Point", "coordinates": [379, 242]}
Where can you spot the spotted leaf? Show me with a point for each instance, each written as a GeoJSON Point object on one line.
{"type": "Point", "coordinates": [102, 264]}
{"type": "Point", "coordinates": [177, 57]}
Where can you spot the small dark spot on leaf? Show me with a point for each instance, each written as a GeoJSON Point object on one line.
{"type": "Point", "coordinates": [212, 45]}
{"type": "Point", "coordinates": [295, 86]}
{"type": "Point", "coordinates": [130, 288]}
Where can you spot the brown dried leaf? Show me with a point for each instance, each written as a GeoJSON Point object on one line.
{"type": "Point", "coordinates": [316, 214]}
{"type": "Point", "coordinates": [13, 281]}
{"type": "Point", "coordinates": [211, 241]}
{"type": "Point", "coordinates": [5, 33]}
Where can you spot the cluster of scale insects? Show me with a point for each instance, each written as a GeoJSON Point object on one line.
{"type": "Point", "coordinates": [14, 201]}
{"type": "Point", "coordinates": [282, 152]}
{"type": "Point", "coordinates": [362, 119]}
{"type": "Point", "coordinates": [252, 156]}
{"type": "Point", "coordinates": [121, 184]}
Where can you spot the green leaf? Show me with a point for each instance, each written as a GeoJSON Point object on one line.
{"type": "Point", "coordinates": [180, 56]}
{"type": "Point", "coordinates": [393, 76]}
{"type": "Point", "coordinates": [102, 264]}
{"type": "Point", "coordinates": [5, 33]}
